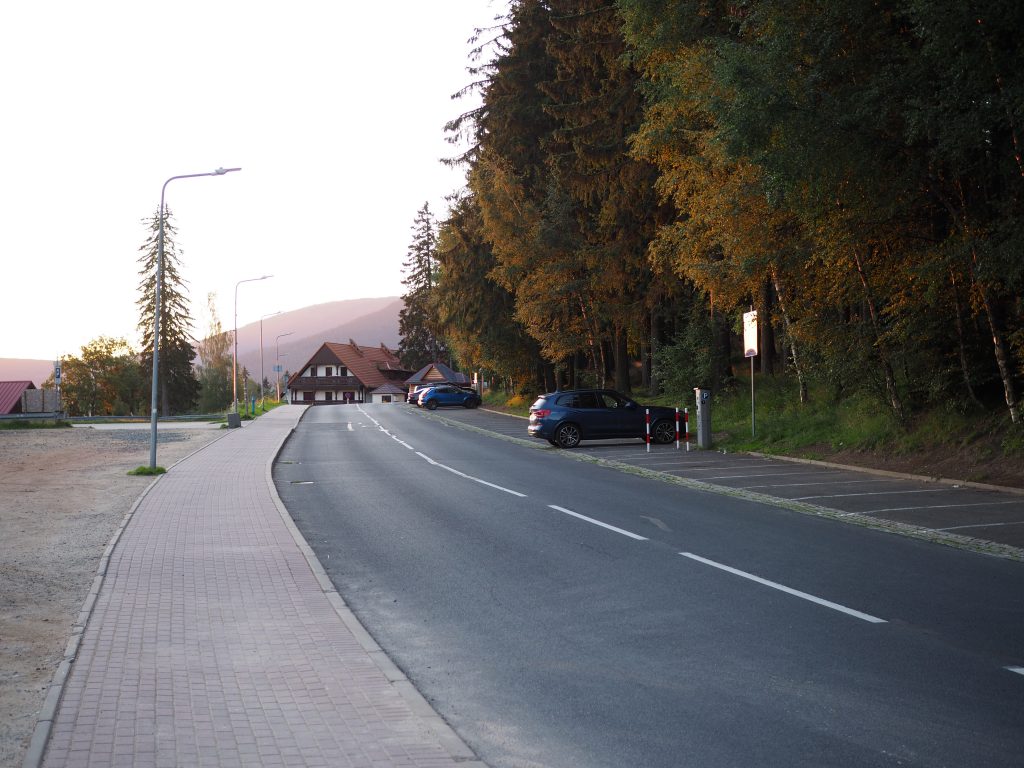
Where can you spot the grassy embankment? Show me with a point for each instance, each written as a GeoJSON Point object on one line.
{"type": "Point", "coordinates": [824, 427]}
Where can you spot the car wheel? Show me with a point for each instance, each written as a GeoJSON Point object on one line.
{"type": "Point", "coordinates": [567, 436]}
{"type": "Point", "coordinates": [664, 432]}
{"type": "Point", "coordinates": [431, 405]}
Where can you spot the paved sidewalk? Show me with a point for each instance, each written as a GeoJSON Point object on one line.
{"type": "Point", "coordinates": [213, 641]}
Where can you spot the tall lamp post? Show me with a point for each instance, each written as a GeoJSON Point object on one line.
{"type": "Point", "coordinates": [261, 356]}
{"type": "Point", "coordinates": [234, 357]}
{"type": "Point", "coordinates": [277, 345]}
{"type": "Point", "coordinates": [156, 305]}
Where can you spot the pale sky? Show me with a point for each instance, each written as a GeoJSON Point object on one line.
{"type": "Point", "coordinates": [333, 110]}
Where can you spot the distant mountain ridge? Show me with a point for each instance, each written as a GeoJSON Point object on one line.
{"type": "Point", "coordinates": [369, 322]}
{"type": "Point", "coordinates": [366, 321]}
{"type": "Point", "coordinates": [25, 369]}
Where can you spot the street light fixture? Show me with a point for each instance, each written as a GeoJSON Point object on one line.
{"type": "Point", "coordinates": [261, 357]}
{"type": "Point", "coordinates": [277, 365]}
{"type": "Point", "coordinates": [156, 305]}
{"type": "Point", "coordinates": [234, 357]}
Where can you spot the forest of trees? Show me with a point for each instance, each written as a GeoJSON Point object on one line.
{"type": "Point", "coordinates": [642, 172]}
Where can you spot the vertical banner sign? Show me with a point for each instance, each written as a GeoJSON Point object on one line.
{"type": "Point", "coordinates": [750, 334]}
{"type": "Point", "coordinates": [750, 350]}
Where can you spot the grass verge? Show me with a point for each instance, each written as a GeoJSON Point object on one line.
{"type": "Point", "coordinates": [147, 471]}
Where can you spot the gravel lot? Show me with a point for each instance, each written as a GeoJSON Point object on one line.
{"type": "Point", "coordinates": [63, 493]}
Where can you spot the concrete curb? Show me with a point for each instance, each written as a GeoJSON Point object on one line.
{"type": "Point", "coordinates": [449, 740]}
{"type": "Point", "coordinates": [55, 691]}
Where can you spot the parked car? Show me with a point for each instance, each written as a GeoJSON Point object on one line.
{"type": "Point", "coordinates": [567, 417]}
{"type": "Point", "coordinates": [414, 396]}
{"type": "Point", "coordinates": [448, 394]}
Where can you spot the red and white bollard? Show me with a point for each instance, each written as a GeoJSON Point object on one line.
{"type": "Point", "coordinates": [677, 429]}
{"type": "Point", "coordinates": [648, 412]}
{"type": "Point", "coordinates": [686, 418]}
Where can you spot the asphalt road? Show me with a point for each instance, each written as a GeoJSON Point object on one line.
{"type": "Point", "coordinates": [564, 613]}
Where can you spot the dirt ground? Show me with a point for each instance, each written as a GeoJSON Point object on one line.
{"type": "Point", "coordinates": [63, 493]}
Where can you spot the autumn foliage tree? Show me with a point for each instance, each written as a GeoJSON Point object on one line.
{"type": "Point", "coordinates": [105, 379]}
{"type": "Point", "coordinates": [642, 172]}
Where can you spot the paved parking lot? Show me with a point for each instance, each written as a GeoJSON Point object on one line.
{"type": "Point", "coordinates": [946, 507]}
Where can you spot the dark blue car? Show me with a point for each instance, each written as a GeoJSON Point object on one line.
{"type": "Point", "coordinates": [447, 394]}
{"type": "Point", "coordinates": [564, 418]}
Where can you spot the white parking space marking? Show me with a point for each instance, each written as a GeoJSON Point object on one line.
{"type": "Point", "coordinates": [1018, 670]}
{"type": "Point", "coordinates": [350, 427]}
{"type": "Point", "coordinates": [942, 506]}
{"type": "Point", "coordinates": [787, 590]}
{"type": "Point", "coordinates": [874, 493]}
{"type": "Point", "coordinates": [980, 525]}
{"type": "Point", "coordinates": [761, 474]}
{"type": "Point", "coordinates": [470, 477]}
{"type": "Point", "coordinates": [798, 485]}
{"type": "Point", "coordinates": [597, 522]}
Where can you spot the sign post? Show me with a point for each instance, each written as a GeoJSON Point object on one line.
{"type": "Point", "coordinates": [750, 350]}
{"type": "Point", "coordinates": [56, 381]}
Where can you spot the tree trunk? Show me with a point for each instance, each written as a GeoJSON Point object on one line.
{"type": "Point", "coordinates": [1002, 359]}
{"type": "Point", "coordinates": [622, 363]}
{"type": "Point", "coordinates": [789, 335]}
{"type": "Point", "coordinates": [766, 342]}
{"type": "Point", "coordinates": [165, 400]}
{"type": "Point", "coordinates": [653, 385]}
{"type": "Point", "coordinates": [961, 344]}
{"type": "Point", "coordinates": [883, 353]}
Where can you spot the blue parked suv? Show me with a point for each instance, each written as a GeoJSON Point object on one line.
{"type": "Point", "coordinates": [565, 418]}
{"type": "Point", "coordinates": [446, 394]}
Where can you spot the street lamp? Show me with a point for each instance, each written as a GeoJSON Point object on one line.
{"type": "Point", "coordinates": [261, 357]}
{"type": "Point", "coordinates": [156, 305]}
{"type": "Point", "coordinates": [277, 378]}
{"type": "Point", "coordinates": [234, 357]}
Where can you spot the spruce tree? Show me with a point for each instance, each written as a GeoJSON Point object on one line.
{"type": "Point", "coordinates": [179, 387]}
{"type": "Point", "coordinates": [419, 344]}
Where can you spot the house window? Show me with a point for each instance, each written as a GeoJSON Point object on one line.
{"type": "Point", "coordinates": [307, 397]}
{"type": "Point", "coordinates": [328, 371]}
{"type": "Point", "coordinates": [342, 371]}
{"type": "Point", "coordinates": [328, 395]}
{"type": "Point", "coordinates": [385, 398]}
{"type": "Point", "coordinates": [312, 370]}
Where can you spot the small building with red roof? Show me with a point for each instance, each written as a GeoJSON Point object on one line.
{"type": "Point", "coordinates": [10, 396]}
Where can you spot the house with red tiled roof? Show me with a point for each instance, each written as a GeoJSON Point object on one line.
{"type": "Point", "coordinates": [10, 396]}
{"type": "Point", "coordinates": [345, 373]}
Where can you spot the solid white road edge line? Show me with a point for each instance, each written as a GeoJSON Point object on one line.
{"type": "Point", "coordinates": [470, 477]}
{"type": "Point", "coordinates": [597, 522]}
{"type": "Point", "coordinates": [794, 592]}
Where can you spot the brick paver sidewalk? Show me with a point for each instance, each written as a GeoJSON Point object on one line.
{"type": "Point", "coordinates": [212, 642]}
